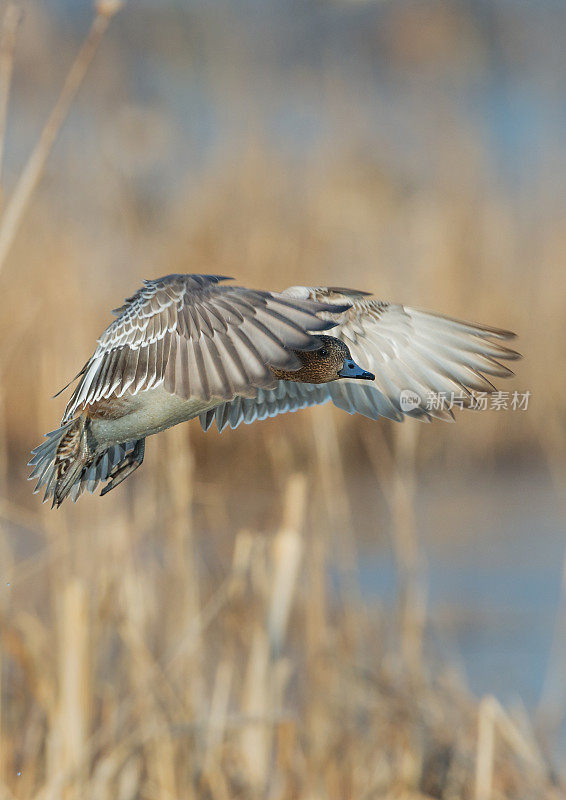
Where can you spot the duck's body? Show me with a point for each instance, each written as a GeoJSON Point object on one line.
{"type": "Point", "coordinates": [122, 419]}
{"type": "Point", "coordinates": [186, 345]}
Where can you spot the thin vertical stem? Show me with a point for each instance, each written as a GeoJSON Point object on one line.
{"type": "Point", "coordinates": [12, 18]}
{"type": "Point", "coordinates": [395, 471]}
{"type": "Point", "coordinates": [339, 511]}
{"type": "Point", "coordinates": [33, 169]}
{"type": "Point", "coordinates": [409, 557]}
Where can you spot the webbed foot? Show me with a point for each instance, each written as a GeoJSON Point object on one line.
{"type": "Point", "coordinates": [125, 468]}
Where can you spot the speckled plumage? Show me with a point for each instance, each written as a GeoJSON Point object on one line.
{"type": "Point", "coordinates": [187, 345]}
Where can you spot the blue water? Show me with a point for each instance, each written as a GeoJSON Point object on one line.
{"type": "Point", "coordinates": [492, 581]}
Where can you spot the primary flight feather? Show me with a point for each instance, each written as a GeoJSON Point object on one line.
{"type": "Point", "coordinates": [189, 345]}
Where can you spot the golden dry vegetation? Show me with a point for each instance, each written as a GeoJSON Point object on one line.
{"type": "Point", "coordinates": [201, 632]}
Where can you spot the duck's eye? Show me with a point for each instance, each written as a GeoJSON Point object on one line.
{"type": "Point", "coordinates": [323, 352]}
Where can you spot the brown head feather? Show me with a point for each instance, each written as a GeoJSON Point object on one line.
{"type": "Point", "coordinates": [318, 366]}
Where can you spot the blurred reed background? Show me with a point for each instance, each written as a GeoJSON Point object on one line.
{"type": "Point", "coordinates": [317, 606]}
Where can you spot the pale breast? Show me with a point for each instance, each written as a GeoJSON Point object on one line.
{"type": "Point", "coordinates": [143, 414]}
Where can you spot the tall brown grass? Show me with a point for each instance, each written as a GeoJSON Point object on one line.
{"type": "Point", "coordinates": [181, 638]}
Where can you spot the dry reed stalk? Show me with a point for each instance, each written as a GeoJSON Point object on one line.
{"type": "Point", "coordinates": [4, 491]}
{"type": "Point", "coordinates": [26, 643]}
{"type": "Point", "coordinates": [286, 558]}
{"type": "Point", "coordinates": [267, 674]}
{"type": "Point", "coordinates": [9, 512]}
{"type": "Point", "coordinates": [395, 471]}
{"type": "Point", "coordinates": [228, 590]}
{"type": "Point", "coordinates": [340, 518]}
{"type": "Point", "coordinates": [218, 711]}
{"type": "Point", "coordinates": [117, 762]}
{"type": "Point", "coordinates": [316, 622]}
{"type": "Point", "coordinates": [152, 690]}
{"type": "Point", "coordinates": [184, 568]}
{"type": "Point", "coordinates": [159, 762]}
{"type": "Point", "coordinates": [492, 719]}
{"type": "Point", "coordinates": [12, 18]}
{"type": "Point", "coordinates": [256, 735]}
{"type": "Point", "coordinates": [128, 781]}
{"type": "Point", "coordinates": [409, 557]}
{"type": "Point", "coordinates": [4, 601]}
{"type": "Point", "coordinates": [69, 737]}
{"type": "Point", "coordinates": [7, 567]}
{"type": "Point", "coordinates": [29, 178]}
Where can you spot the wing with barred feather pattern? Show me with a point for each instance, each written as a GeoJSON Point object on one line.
{"type": "Point", "coordinates": [406, 349]}
{"type": "Point", "coordinates": [198, 338]}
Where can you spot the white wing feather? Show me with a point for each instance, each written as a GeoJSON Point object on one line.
{"type": "Point", "coordinates": [407, 349]}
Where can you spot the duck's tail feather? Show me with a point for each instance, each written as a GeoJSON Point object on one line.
{"type": "Point", "coordinates": [65, 465]}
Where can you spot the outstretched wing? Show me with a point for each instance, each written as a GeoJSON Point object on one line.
{"type": "Point", "coordinates": [198, 338]}
{"type": "Point", "coordinates": [285, 396]}
{"type": "Point", "coordinates": [409, 351]}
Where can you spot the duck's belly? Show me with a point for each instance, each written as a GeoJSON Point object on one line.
{"type": "Point", "coordinates": [144, 414]}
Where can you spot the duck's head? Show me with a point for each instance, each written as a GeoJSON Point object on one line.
{"type": "Point", "coordinates": [329, 362]}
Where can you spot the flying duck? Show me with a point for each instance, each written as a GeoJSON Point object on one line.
{"type": "Point", "coordinates": [186, 346]}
